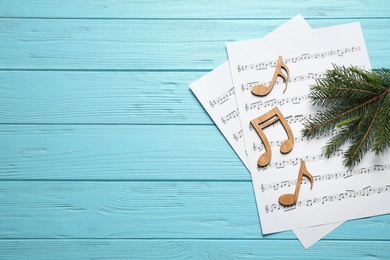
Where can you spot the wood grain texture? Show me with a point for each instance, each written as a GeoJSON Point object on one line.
{"type": "Point", "coordinates": [289, 199]}
{"type": "Point", "coordinates": [188, 9]}
{"type": "Point", "coordinates": [106, 153]}
{"type": "Point", "coordinates": [122, 152]}
{"type": "Point", "coordinates": [146, 210]}
{"type": "Point", "coordinates": [63, 97]}
{"type": "Point", "coordinates": [262, 90]}
{"type": "Point", "coordinates": [265, 120]}
{"type": "Point", "coordinates": [82, 44]}
{"type": "Point", "coordinates": [190, 249]}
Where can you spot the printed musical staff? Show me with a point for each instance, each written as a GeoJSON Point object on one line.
{"type": "Point", "coordinates": [222, 98]}
{"type": "Point", "coordinates": [328, 176]}
{"type": "Point", "coordinates": [294, 119]}
{"type": "Point", "coordinates": [259, 146]}
{"type": "Point", "coordinates": [274, 143]}
{"type": "Point", "coordinates": [295, 161]}
{"type": "Point", "coordinates": [316, 75]}
{"type": "Point", "coordinates": [348, 194]}
{"type": "Point", "coordinates": [302, 57]}
{"type": "Point", "coordinates": [299, 118]}
{"type": "Point", "coordinates": [238, 135]}
{"type": "Point", "coordinates": [230, 116]}
{"type": "Point", "coordinates": [301, 78]}
{"type": "Point", "coordinates": [275, 102]}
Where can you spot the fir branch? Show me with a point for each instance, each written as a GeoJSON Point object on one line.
{"type": "Point", "coordinates": [337, 141]}
{"type": "Point", "coordinates": [358, 101]}
{"type": "Point", "coordinates": [314, 128]}
{"type": "Point", "coordinates": [359, 82]}
{"type": "Point", "coordinates": [382, 126]}
{"type": "Point", "coordinates": [356, 151]}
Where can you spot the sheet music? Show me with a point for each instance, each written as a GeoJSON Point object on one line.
{"type": "Point", "coordinates": [337, 194]}
{"type": "Point", "coordinates": [216, 93]}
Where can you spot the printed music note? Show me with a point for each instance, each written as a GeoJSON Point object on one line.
{"type": "Point", "coordinates": [290, 199]}
{"type": "Point", "coordinates": [303, 57]}
{"type": "Point", "coordinates": [348, 194]}
{"type": "Point", "coordinates": [268, 119]}
{"type": "Point", "coordinates": [262, 90]}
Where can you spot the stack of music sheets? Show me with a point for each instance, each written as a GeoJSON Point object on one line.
{"type": "Point", "coordinates": [259, 101]}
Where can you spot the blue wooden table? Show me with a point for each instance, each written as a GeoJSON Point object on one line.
{"type": "Point", "coordinates": [106, 153]}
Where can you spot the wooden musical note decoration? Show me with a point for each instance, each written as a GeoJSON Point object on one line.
{"type": "Point", "coordinates": [291, 199]}
{"type": "Point", "coordinates": [262, 90]}
{"type": "Point", "coordinates": [268, 119]}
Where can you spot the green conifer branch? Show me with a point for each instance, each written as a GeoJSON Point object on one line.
{"type": "Point", "coordinates": [358, 102]}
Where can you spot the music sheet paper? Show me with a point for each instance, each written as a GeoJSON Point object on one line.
{"type": "Point", "coordinates": [216, 93]}
{"type": "Point", "coordinates": [338, 194]}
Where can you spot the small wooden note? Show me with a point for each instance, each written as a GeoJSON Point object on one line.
{"type": "Point", "coordinates": [290, 199]}
{"type": "Point", "coordinates": [268, 119]}
{"type": "Point", "coordinates": [262, 90]}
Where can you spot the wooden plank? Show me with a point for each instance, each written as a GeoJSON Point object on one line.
{"type": "Point", "coordinates": [252, 9]}
{"type": "Point", "coordinates": [190, 249]}
{"type": "Point", "coordinates": [128, 210]}
{"type": "Point", "coordinates": [119, 152]}
{"type": "Point", "coordinates": [146, 210]}
{"type": "Point", "coordinates": [99, 98]}
{"type": "Point", "coordinates": [141, 188]}
{"type": "Point", "coordinates": [61, 44]}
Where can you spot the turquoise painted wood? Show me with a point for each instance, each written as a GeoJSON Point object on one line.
{"type": "Point", "coordinates": [95, 44]}
{"type": "Point", "coordinates": [145, 210]}
{"type": "Point", "coordinates": [104, 97]}
{"type": "Point", "coordinates": [118, 152]}
{"type": "Point", "coordinates": [106, 153]}
{"type": "Point", "coordinates": [187, 9]}
{"type": "Point", "coordinates": [191, 249]}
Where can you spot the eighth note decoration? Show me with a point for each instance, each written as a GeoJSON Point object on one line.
{"type": "Point", "coordinates": [261, 90]}
{"type": "Point", "coordinates": [266, 120]}
{"type": "Point", "coordinates": [291, 199]}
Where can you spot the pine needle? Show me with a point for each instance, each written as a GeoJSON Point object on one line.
{"type": "Point", "coordinates": [357, 102]}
